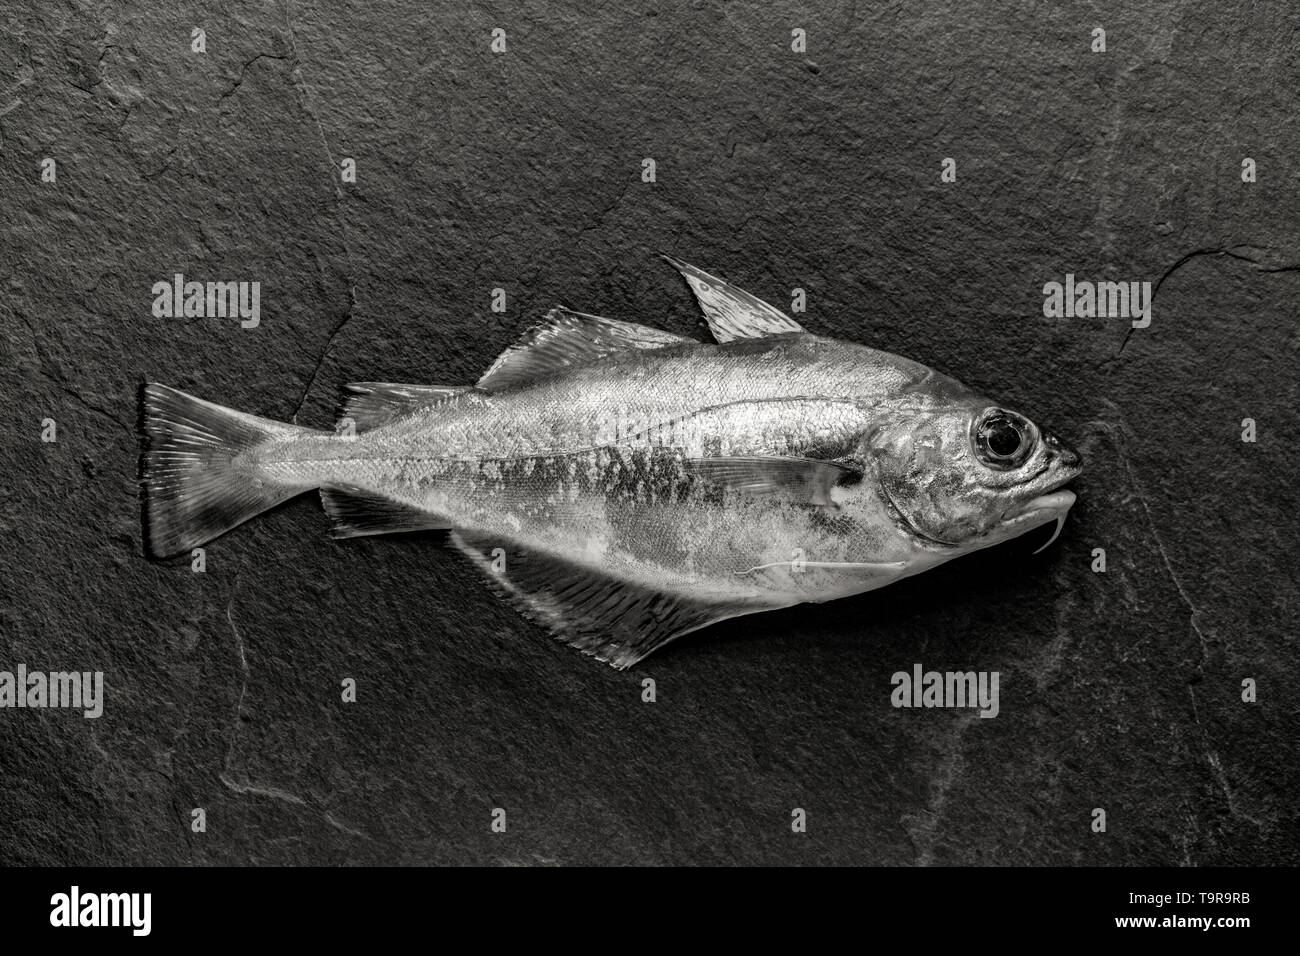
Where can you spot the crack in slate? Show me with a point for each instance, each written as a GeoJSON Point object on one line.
{"type": "Point", "coordinates": [305, 91]}
{"type": "Point", "coordinates": [243, 687]}
{"type": "Point", "coordinates": [1216, 765]}
{"type": "Point", "coordinates": [951, 767]}
{"type": "Point", "coordinates": [243, 785]}
{"type": "Point", "coordinates": [244, 69]}
{"type": "Point", "coordinates": [1160, 546]}
{"type": "Point", "coordinates": [306, 94]}
{"type": "Point", "coordinates": [1211, 756]}
{"type": "Point", "coordinates": [1196, 254]}
{"type": "Point", "coordinates": [62, 384]}
{"type": "Point", "coordinates": [329, 343]}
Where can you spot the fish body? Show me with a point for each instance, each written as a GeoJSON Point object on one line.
{"type": "Point", "coordinates": [624, 486]}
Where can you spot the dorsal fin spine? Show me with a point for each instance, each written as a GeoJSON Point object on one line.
{"type": "Point", "coordinates": [733, 313]}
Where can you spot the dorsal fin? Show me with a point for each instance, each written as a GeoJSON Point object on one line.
{"type": "Point", "coordinates": [370, 404]}
{"type": "Point", "coordinates": [615, 621]}
{"type": "Point", "coordinates": [564, 338]}
{"type": "Point", "coordinates": [733, 313]}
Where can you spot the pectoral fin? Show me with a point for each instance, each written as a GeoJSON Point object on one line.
{"type": "Point", "coordinates": [733, 313]}
{"type": "Point", "coordinates": [614, 621]}
{"type": "Point", "coordinates": [806, 480]}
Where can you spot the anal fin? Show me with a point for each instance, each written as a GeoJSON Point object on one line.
{"type": "Point", "coordinates": [613, 621]}
{"type": "Point", "coordinates": [357, 512]}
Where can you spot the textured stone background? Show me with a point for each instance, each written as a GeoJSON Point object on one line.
{"type": "Point", "coordinates": [777, 170]}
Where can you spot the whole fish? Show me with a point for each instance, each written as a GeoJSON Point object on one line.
{"type": "Point", "coordinates": [625, 486]}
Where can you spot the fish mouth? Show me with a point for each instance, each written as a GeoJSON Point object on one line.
{"type": "Point", "coordinates": [1052, 506]}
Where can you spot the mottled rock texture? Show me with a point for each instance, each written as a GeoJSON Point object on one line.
{"type": "Point", "coordinates": [522, 170]}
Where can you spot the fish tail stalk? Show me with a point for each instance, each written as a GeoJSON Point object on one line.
{"type": "Point", "coordinates": [200, 470]}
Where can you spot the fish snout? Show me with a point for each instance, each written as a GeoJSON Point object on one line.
{"type": "Point", "coordinates": [1064, 455]}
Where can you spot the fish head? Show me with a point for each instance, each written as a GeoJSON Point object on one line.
{"type": "Point", "coordinates": [967, 473]}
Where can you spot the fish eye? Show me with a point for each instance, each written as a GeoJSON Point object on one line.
{"type": "Point", "coordinates": [1003, 440]}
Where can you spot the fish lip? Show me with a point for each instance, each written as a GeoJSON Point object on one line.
{"type": "Point", "coordinates": [1059, 500]}
{"type": "Point", "coordinates": [1048, 508]}
{"type": "Point", "coordinates": [1047, 505]}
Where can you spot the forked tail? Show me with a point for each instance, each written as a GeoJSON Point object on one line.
{"type": "Point", "coordinates": [197, 476]}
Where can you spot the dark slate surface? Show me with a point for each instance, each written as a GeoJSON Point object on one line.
{"type": "Point", "coordinates": [1119, 690]}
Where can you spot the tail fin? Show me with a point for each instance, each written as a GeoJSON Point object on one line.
{"type": "Point", "coordinates": [196, 482]}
